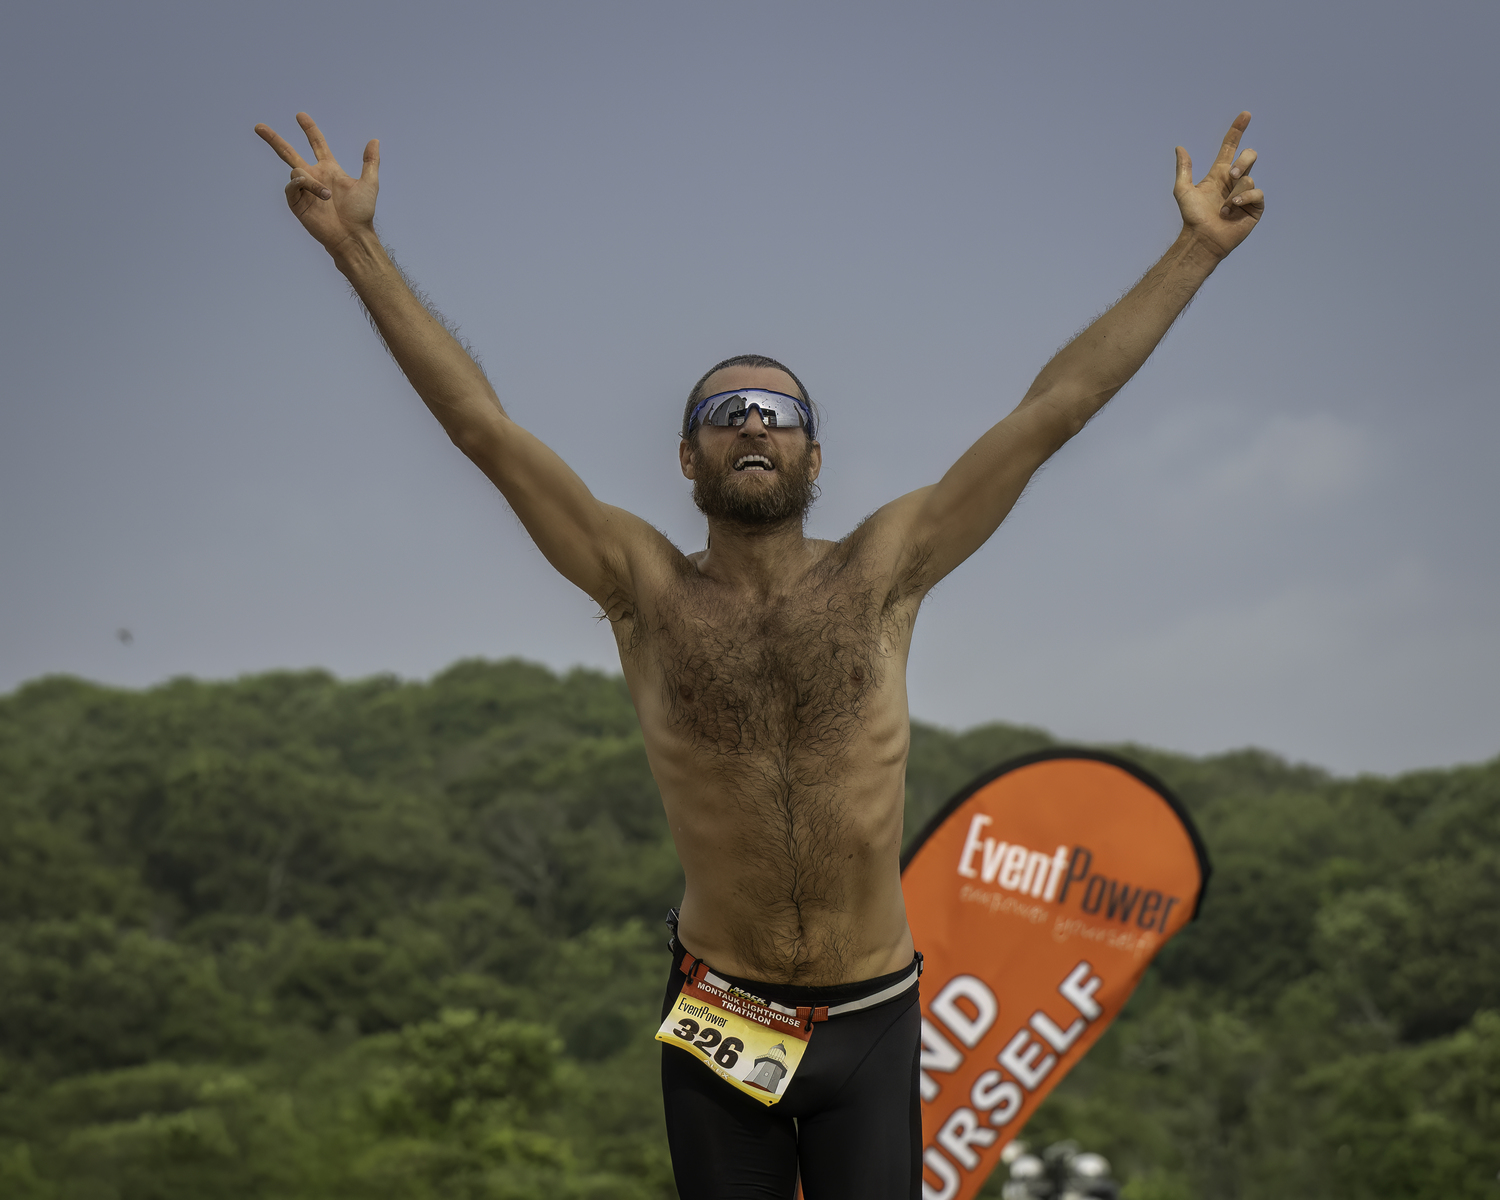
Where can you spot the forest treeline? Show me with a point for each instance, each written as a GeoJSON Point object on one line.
{"type": "Point", "coordinates": [289, 937]}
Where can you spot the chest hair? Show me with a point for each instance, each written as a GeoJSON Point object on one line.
{"type": "Point", "coordinates": [787, 680]}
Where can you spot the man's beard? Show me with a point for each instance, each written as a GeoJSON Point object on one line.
{"type": "Point", "coordinates": [788, 498]}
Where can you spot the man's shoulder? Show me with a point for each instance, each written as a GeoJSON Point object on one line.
{"type": "Point", "coordinates": [882, 537]}
{"type": "Point", "coordinates": [641, 563]}
{"type": "Point", "coordinates": [644, 548]}
{"type": "Point", "coordinates": [881, 549]}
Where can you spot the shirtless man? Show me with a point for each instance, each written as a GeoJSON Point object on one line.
{"type": "Point", "coordinates": [769, 674]}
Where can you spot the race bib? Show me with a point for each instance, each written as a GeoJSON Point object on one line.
{"type": "Point", "coordinates": [749, 1043]}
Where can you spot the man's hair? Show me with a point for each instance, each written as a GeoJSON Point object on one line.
{"type": "Point", "coordinates": [739, 360]}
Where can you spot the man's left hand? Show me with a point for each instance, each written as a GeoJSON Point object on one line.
{"type": "Point", "coordinates": [1221, 210]}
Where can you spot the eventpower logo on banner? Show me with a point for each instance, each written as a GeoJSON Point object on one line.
{"type": "Point", "coordinates": [1038, 897]}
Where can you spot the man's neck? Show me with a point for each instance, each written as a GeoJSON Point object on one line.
{"type": "Point", "coordinates": [757, 558]}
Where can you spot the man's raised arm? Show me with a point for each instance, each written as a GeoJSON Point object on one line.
{"type": "Point", "coordinates": [943, 524]}
{"type": "Point", "coordinates": [588, 542]}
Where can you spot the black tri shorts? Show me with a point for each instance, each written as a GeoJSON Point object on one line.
{"type": "Point", "coordinates": [850, 1122]}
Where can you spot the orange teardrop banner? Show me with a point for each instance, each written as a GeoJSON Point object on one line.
{"type": "Point", "coordinates": [1038, 896]}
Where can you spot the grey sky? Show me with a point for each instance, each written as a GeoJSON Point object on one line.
{"type": "Point", "coordinates": [1280, 534]}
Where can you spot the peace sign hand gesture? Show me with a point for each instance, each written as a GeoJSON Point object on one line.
{"type": "Point", "coordinates": [331, 206]}
{"type": "Point", "coordinates": [1222, 209]}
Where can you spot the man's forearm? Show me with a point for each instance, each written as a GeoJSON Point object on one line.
{"type": "Point", "coordinates": [438, 366]}
{"type": "Point", "coordinates": [1096, 364]}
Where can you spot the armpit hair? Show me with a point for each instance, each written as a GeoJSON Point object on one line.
{"type": "Point", "coordinates": [617, 605]}
{"type": "Point", "coordinates": [914, 578]}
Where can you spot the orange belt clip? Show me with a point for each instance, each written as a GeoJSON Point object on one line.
{"type": "Point", "coordinates": [806, 1015]}
{"type": "Point", "coordinates": [694, 968]}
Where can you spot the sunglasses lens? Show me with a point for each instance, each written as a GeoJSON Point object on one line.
{"type": "Point", "coordinates": [776, 412]}
{"type": "Point", "coordinates": [728, 411]}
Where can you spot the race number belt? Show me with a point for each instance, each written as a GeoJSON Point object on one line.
{"type": "Point", "coordinates": [752, 1044]}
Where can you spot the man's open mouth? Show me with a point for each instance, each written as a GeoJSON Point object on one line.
{"type": "Point", "coordinates": [754, 462]}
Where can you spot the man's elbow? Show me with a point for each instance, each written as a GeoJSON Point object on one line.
{"type": "Point", "coordinates": [1063, 412]}
{"type": "Point", "coordinates": [481, 440]}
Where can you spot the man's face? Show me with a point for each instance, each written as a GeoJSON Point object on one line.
{"type": "Point", "coordinates": [750, 474]}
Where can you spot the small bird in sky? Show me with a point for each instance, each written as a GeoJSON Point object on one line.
{"type": "Point", "coordinates": [125, 636]}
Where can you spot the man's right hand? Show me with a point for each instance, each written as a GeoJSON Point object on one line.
{"type": "Point", "coordinates": [331, 206]}
{"type": "Point", "coordinates": [594, 545]}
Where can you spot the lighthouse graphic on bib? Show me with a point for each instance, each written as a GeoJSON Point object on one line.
{"type": "Point", "coordinates": [769, 1070]}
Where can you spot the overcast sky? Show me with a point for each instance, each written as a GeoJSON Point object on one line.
{"type": "Point", "coordinates": [1282, 533]}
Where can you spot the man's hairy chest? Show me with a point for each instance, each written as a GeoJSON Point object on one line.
{"type": "Point", "coordinates": [784, 679]}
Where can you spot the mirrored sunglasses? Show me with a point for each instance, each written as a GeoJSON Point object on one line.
{"type": "Point", "coordinates": [777, 410]}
